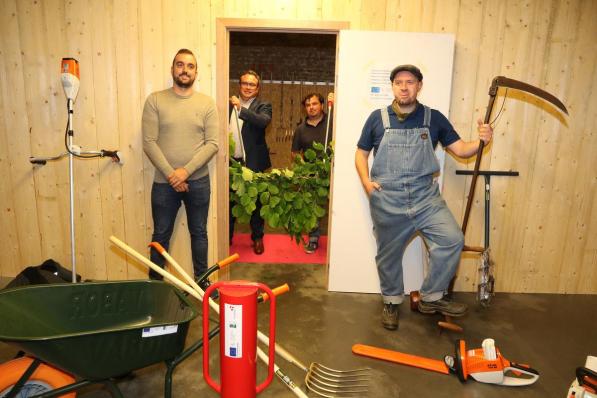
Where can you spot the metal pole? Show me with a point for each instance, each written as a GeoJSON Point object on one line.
{"type": "Point", "coordinates": [71, 173]}
{"type": "Point", "coordinates": [327, 127]}
{"type": "Point", "coordinates": [487, 207]}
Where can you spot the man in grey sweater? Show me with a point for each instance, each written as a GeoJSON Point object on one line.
{"type": "Point", "coordinates": [180, 136]}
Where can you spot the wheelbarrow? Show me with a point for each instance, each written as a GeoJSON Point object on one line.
{"type": "Point", "coordinates": [94, 331]}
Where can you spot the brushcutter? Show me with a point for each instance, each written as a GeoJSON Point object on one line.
{"type": "Point", "coordinates": [485, 364]}
{"type": "Point", "coordinates": [69, 76]}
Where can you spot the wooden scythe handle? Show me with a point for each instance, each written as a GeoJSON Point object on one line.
{"type": "Point", "coordinates": [471, 193]}
{"type": "Point", "coordinates": [492, 94]}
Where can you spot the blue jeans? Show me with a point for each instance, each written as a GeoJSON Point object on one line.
{"type": "Point", "coordinates": [165, 202]}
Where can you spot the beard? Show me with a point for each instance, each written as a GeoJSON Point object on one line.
{"type": "Point", "coordinates": [182, 84]}
{"type": "Point", "coordinates": [406, 101]}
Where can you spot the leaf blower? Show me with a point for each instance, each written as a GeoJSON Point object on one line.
{"type": "Point", "coordinates": [585, 383]}
{"type": "Point", "coordinates": [485, 365]}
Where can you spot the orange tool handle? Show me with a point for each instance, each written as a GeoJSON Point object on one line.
{"type": "Point", "coordinates": [277, 291]}
{"type": "Point", "coordinates": [158, 247]}
{"type": "Point", "coordinates": [401, 358]}
{"type": "Point", "coordinates": [450, 326]}
{"type": "Point", "coordinates": [228, 260]}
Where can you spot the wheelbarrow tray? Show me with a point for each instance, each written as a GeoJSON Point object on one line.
{"type": "Point", "coordinates": [97, 330]}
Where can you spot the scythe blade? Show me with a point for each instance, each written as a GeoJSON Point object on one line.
{"type": "Point", "coordinates": [502, 81]}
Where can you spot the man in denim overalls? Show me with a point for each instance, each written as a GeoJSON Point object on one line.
{"type": "Point", "coordinates": [404, 198]}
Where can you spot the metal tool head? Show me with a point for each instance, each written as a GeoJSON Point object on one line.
{"type": "Point", "coordinates": [502, 81]}
{"type": "Point", "coordinates": [328, 382]}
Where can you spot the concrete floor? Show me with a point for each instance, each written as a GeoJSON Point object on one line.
{"type": "Point", "coordinates": [552, 333]}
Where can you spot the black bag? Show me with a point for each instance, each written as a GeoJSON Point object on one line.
{"type": "Point", "coordinates": [48, 272]}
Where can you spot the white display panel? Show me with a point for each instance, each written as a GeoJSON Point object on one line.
{"type": "Point", "coordinates": [363, 85]}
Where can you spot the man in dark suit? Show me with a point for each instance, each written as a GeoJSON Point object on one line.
{"type": "Point", "coordinates": [248, 133]}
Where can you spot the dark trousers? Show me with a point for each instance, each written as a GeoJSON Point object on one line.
{"type": "Point", "coordinates": [165, 203]}
{"type": "Point", "coordinates": [257, 222]}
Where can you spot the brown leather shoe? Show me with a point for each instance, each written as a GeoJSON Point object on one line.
{"type": "Point", "coordinates": [258, 247]}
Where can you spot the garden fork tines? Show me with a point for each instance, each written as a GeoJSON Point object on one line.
{"type": "Point", "coordinates": [328, 382]}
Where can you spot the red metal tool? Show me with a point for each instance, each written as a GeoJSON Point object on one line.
{"type": "Point", "coordinates": [238, 339]}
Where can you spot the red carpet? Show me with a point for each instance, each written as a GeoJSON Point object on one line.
{"type": "Point", "coordinates": [278, 249]}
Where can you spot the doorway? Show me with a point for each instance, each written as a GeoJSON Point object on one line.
{"type": "Point", "coordinates": [246, 39]}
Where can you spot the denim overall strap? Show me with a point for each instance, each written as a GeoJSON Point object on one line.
{"type": "Point", "coordinates": [385, 118]}
{"type": "Point", "coordinates": [427, 116]}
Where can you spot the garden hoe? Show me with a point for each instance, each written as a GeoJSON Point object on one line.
{"type": "Point", "coordinates": [485, 365]}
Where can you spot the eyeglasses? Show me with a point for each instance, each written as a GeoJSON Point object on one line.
{"type": "Point", "coordinates": [248, 84]}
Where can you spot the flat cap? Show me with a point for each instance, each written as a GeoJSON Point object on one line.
{"type": "Point", "coordinates": [406, 68]}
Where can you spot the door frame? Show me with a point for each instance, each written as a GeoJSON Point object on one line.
{"type": "Point", "coordinates": [223, 28]}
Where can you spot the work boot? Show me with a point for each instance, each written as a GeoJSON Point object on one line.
{"type": "Point", "coordinates": [389, 316]}
{"type": "Point", "coordinates": [311, 247]}
{"type": "Point", "coordinates": [443, 306]}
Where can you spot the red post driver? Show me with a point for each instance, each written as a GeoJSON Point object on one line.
{"type": "Point", "coordinates": [238, 339]}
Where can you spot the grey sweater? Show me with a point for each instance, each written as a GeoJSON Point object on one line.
{"type": "Point", "coordinates": [179, 132]}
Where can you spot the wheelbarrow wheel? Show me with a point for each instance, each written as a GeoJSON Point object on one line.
{"type": "Point", "coordinates": [44, 379]}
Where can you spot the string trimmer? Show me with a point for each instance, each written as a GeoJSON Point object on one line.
{"type": "Point", "coordinates": [485, 365]}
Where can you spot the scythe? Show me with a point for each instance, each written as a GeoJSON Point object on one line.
{"type": "Point", "coordinates": [501, 81]}
{"type": "Point", "coordinates": [498, 81]}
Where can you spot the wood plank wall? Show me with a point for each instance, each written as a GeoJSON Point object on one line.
{"type": "Point", "coordinates": [543, 224]}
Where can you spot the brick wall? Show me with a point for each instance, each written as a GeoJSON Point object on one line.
{"type": "Point", "coordinates": [284, 56]}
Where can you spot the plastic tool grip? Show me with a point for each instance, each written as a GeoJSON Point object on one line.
{"type": "Point", "coordinates": [277, 291]}
{"type": "Point", "coordinates": [228, 260]}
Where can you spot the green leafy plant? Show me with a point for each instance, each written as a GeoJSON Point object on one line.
{"type": "Point", "coordinates": [294, 199]}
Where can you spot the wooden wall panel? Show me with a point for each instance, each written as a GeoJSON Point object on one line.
{"type": "Point", "coordinates": [20, 226]}
{"type": "Point", "coordinates": [51, 181]}
{"type": "Point", "coordinates": [309, 10]}
{"type": "Point", "coordinates": [88, 214]}
{"type": "Point", "coordinates": [156, 76]}
{"type": "Point", "coordinates": [9, 257]}
{"type": "Point", "coordinates": [106, 122]}
{"type": "Point", "coordinates": [543, 222]}
{"type": "Point", "coordinates": [130, 103]}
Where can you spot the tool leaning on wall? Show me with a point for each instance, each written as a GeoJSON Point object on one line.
{"type": "Point", "coordinates": [69, 68]}
{"type": "Point", "coordinates": [486, 282]}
